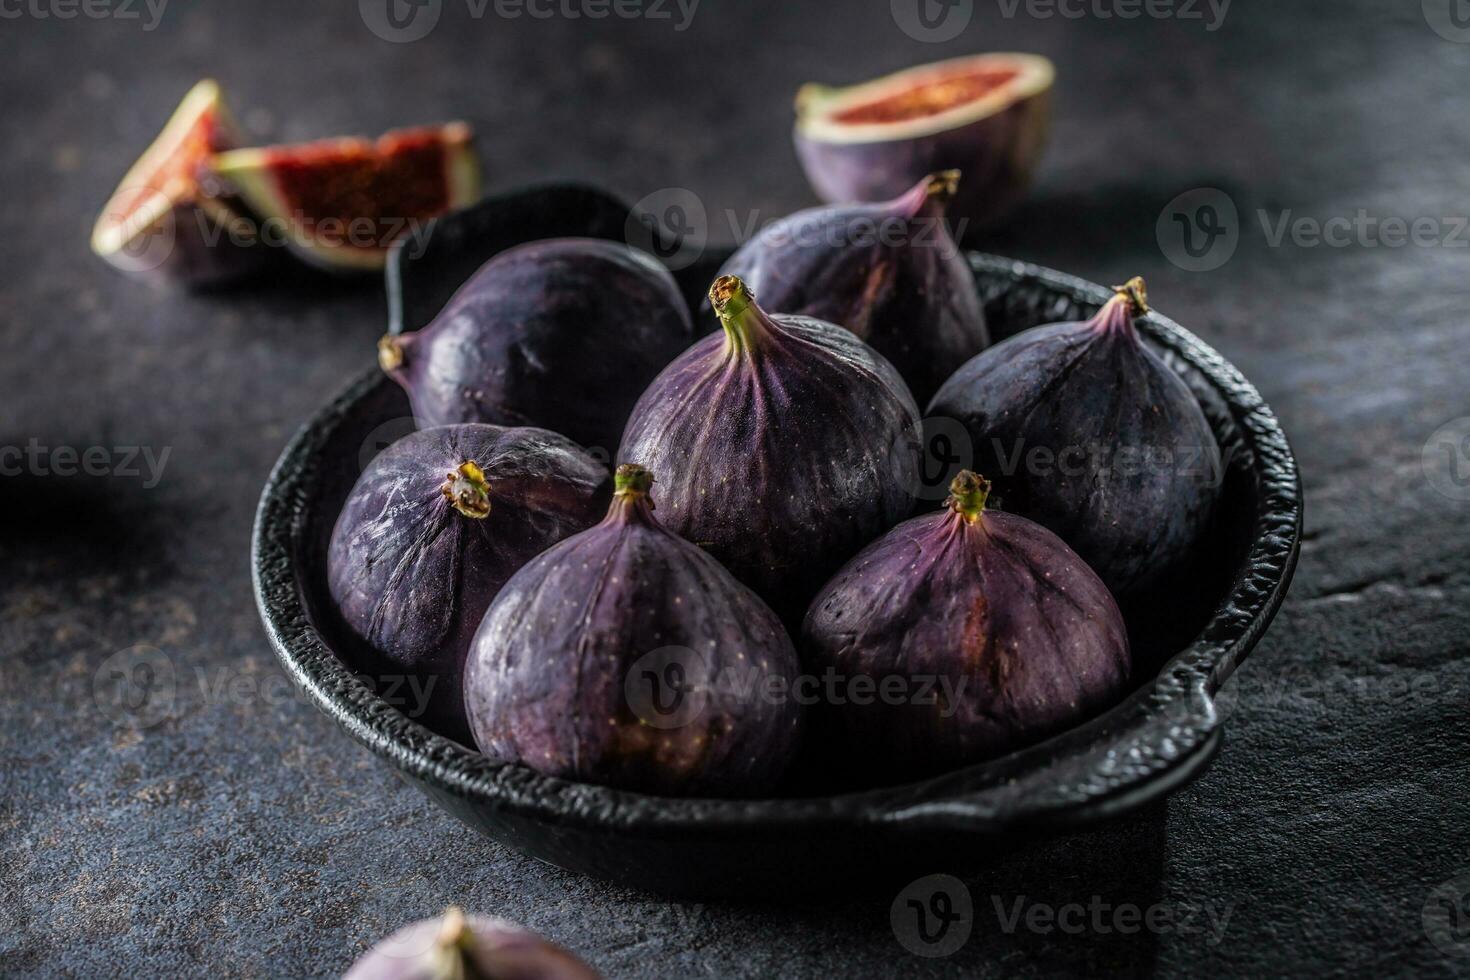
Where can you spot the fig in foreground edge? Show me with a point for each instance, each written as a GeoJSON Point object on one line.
{"type": "Point", "coordinates": [1091, 434]}
{"type": "Point", "coordinates": [888, 272]}
{"type": "Point", "coordinates": [984, 631]}
{"type": "Point", "coordinates": [562, 333]}
{"type": "Point", "coordinates": [986, 115]}
{"type": "Point", "coordinates": [788, 444]}
{"type": "Point", "coordinates": [434, 526]}
{"type": "Point", "coordinates": [455, 946]}
{"type": "Point", "coordinates": [628, 657]}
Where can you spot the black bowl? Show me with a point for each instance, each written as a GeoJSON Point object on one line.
{"type": "Point", "coordinates": [1155, 741]}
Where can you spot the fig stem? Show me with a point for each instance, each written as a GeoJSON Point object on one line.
{"type": "Point", "coordinates": [390, 353]}
{"type": "Point", "coordinates": [632, 480]}
{"type": "Point", "coordinates": [468, 491]}
{"type": "Point", "coordinates": [452, 943]}
{"type": "Point", "coordinates": [734, 304]}
{"type": "Point", "coordinates": [941, 187]}
{"type": "Point", "coordinates": [968, 492]}
{"type": "Point", "coordinates": [1136, 293]}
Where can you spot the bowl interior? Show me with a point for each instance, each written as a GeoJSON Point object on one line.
{"type": "Point", "coordinates": [376, 412]}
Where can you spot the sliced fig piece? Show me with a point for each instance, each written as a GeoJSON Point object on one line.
{"type": "Point", "coordinates": [984, 630]}
{"type": "Point", "coordinates": [456, 946]}
{"type": "Point", "coordinates": [563, 334]}
{"type": "Point", "coordinates": [433, 528]}
{"type": "Point", "coordinates": [985, 115]}
{"type": "Point", "coordinates": [340, 203]}
{"type": "Point", "coordinates": [1088, 432]}
{"type": "Point", "coordinates": [890, 272]}
{"type": "Point", "coordinates": [161, 221]}
{"type": "Point", "coordinates": [628, 657]}
{"type": "Point", "coordinates": [788, 444]}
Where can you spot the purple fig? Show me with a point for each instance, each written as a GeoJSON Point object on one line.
{"type": "Point", "coordinates": [435, 525]}
{"type": "Point", "coordinates": [982, 631]}
{"type": "Point", "coordinates": [459, 947]}
{"type": "Point", "coordinates": [788, 444]}
{"type": "Point", "coordinates": [1088, 432]}
{"type": "Point", "coordinates": [986, 115]}
{"type": "Point", "coordinates": [888, 272]}
{"type": "Point", "coordinates": [628, 657]}
{"type": "Point", "coordinates": [563, 334]}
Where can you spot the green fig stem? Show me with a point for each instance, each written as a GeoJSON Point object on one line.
{"type": "Point", "coordinates": [742, 319]}
{"type": "Point", "coordinates": [1129, 301]}
{"type": "Point", "coordinates": [632, 480]}
{"type": "Point", "coordinates": [468, 491]}
{"type": "Point", "coordinates": [940, 188]}
{"type": "Point", "coordinates": [968, 492]}
{"type": "Point", "coordinates": [390, 353]}
{"type": "Point", "coordinates": [451, 946]}
{"type": "Point", "coordinates": [1136, 293]}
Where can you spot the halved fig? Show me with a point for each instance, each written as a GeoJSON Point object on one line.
{"type": "Point", "coordinates": [340, 203]}
{"type": "Point", "coordinates": [161, 220]}
{"type": "Point", "coordinates": [986, 115]}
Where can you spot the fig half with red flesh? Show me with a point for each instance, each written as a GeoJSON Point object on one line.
{"type": "Point", "coordinates": [340, 203]}
{"type": "Point", "coordinates": [986, 115]}
{"type": "Point", "coordinates": [161, 221]}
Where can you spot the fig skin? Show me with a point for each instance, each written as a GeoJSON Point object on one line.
{"type": "Point", "coordinates": [995, 609]}
{"type": "Point", "coordinates": [553, 672]}
{"type": "Point", "coordinates": [890, 272]}
{"type": "Point", "coordinates": [423, 543]}
{"type": "Point", "coordinates": [459, 947]}
{"type": "Point", "coordinates": [562, 333]}
{"type": "Point", "coordinates": [997, 152]}
{"type": "Point", "coordinates": [1070, 387]}
{"type": "Point", "coordinates": [788, 444]}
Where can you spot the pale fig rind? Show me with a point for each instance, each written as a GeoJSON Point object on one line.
{"type": "Point", "coordinates": [889, 272]}
{"type": "Point", "coordinates": [783, 446]}
{"type": "Point", "coordinates": [1085, 430]}
{"type": "Point", "coordinates": [988, 632]}
{"type": "Point", "coordinates": [433, 528]}
{"type": "Point", "coordinates": [562, 333]}
{"type": "Point", "coordinates": [559, 675]}
{"type": "Point", "coordinates": [995, 142]}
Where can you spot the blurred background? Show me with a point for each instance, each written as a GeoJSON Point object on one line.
{"type": "Point", "coordinates": [244, 835]}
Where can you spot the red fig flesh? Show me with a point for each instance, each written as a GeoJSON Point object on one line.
{"type": "Point", "coordinates": [788, 442]}
{"type": "Point", "coordinates": [627, 656]}
{"type": "Point", "coordinates": [985, 115]}
{"type": "Point", "coordinates": [988, 631]}
{"type": "Point", "coordinates": [891, 273]}
{"type": "Point", "coordinates": [455, 946]}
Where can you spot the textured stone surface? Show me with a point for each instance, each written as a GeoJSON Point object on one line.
{"type": "Point", "coordinates": [243, 833]}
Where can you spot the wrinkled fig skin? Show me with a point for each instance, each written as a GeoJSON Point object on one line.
{"type": "Point", "coordinates": [1019, 637]}
{"type": "Point", "coordinates": [1142, 477]}
{"type": "Point", "coordinates": [476, 947]}
{"type": "Point", "coordinates": [563, 334]}
{"type": "Point", "coordinates": [413, 574]}
{"type": "Point", "coordinates": [888, 272]}
{"type": "Point", "coordinates": [785, 444]}
{"type": "Point", "coordinates": [997, 154]}
{"type": "Point", "coordinates": [554, 671]}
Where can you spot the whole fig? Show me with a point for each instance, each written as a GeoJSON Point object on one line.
{"type": "Point", "coordinates": [788, 444]}
{"type": "Point", "coordinates": [981, 631]}
{"type": "Point", "coordinates": [563, 334]}
{"type": "Point", "coordinates": [891, 273]}
{"type": "Point", "coordinates": [434, 526]}
{"type": "Point", "coordinates": [628, 657]}
{"type": "Point", "coordinates": [459, 947]}
{"type": "Point", "coordinates": [1088, 432]}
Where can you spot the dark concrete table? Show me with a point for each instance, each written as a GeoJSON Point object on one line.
{"type": "Point", "coordinates": [244, 835]}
